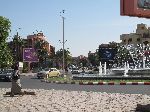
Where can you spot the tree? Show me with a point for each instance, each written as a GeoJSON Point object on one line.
{"type": "Point", "coordinates": [83, 62]}
{"type": "Point", "coordinates": [6, 59]}
{"type": "Point", "coordinates": [18, 44]}
{"type": "Point", "coordinates": [67, 56]}
{"type": "Point", "coordinates": [93, 59]}
{"type": "Point", "coordinates": [5, 25]}
{"type": "Point", "coordinates": [42, 51]}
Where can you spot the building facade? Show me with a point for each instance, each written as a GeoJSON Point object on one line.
{"type": "Point", "coordinates": [33, 39]}
{"type": "Point", "coordinates": [141, 36]}
{"type": "Point", "coordinates": [19, 43]}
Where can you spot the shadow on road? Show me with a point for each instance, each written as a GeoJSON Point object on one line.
{"type": "Point", "coordinates": [143, 108]}
{"type": "Point", "coordinates": [3, 80]}
{"type": "Point", "coordinates": [35, 78]}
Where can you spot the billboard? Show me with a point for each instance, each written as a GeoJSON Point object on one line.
{"type": "Point", "coordinates": [30, 55]}
{"type": "Point", "coordinates": [145, 4]}
{"type": "Point", "coordinates": [107, 54]}
{"type": "Point", "coordinates": [135, 8]}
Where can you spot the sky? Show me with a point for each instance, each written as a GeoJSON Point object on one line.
{"type": "Point", "coordinates": [88, 23]}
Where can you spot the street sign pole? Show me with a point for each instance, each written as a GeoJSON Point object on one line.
{"type": "Point", "coordinates": [29, 70]}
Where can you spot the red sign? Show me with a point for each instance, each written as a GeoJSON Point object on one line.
{"type": "Point", "coordinates": [136, 8]}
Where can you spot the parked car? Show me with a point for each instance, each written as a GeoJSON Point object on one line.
{"type": "Point", "coordinates": [90, 72]}
{"type": "Point", "coordinates": [43, 73]}
{"type": "Point", "coordinates": [54, 73]}
{"type": "Point", "coordinates": [75, 71]}
{"type": "Point", "coordinates": [6, 74]}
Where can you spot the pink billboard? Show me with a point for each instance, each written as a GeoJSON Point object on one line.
{"type": "Point", "coordinates": [30, 55]}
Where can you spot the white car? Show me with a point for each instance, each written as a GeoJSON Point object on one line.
{"type": "Point", "coordinates": [43, 73]}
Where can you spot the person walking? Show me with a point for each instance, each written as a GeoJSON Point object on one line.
{"type": "Point", "coordinates": [16, 85]}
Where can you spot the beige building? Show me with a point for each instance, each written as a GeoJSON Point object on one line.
{"type": "Point", "coordinates": [142, 35]}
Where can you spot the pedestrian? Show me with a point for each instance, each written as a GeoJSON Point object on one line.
{"type": "Point", "coordinates": [16, 73]}
{"type": "Point", "coordinates": [16, 86]}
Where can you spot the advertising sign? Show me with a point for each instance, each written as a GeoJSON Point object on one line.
{"type": "Point", "coordinates": [29, 55]}
{"type": "Point", "coordinates": [21, 64]}
{"type": "Point", "coordinates": [145, 4]}
{"type": "Point", "coordinates": [107, 53]}
{"type": "Point", "coordinates": [135, 8]}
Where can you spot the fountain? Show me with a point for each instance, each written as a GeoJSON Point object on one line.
{"type": "Point", "coordinates": [126, 68]}
{"type": "Point", "coordinates": [115, 73]}
{"type": "Point", "coordinates": [100, 69]}
{"type": "Point", "coordinates": [140, 68]}
{"type": "Point", "coordinates": [143, 62]}
{"type": "Point", "coordinates": [105, 68]}
{"type": "Point", "coordinates": [138, 71]}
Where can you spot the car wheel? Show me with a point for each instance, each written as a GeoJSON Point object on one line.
{"type": "Point", "coordinates": [10, 80]}
{"type": "Point", "coordinates": [58, 75]}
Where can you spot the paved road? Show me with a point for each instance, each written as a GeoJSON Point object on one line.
{"type": "Point", "coordinates": [34, 83]}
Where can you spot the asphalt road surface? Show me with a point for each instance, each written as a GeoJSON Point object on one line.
{"type": "Point", "coordinates": [34, 83]}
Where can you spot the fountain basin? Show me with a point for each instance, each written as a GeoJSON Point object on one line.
{"type": "Point", "coordinates": [134, 72]}
{"type": "Point", "coordinates": [109, 77]}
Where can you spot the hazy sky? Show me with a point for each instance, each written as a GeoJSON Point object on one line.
{"type": "Point", "coordinates": [88, 23]}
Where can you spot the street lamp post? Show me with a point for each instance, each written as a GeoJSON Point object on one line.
{"type": "Point", "coordinates": [63, 18]}
{"type": "Point", "coordinates": [17, 46]}
{"type": "Point", "coordinates": [63, 48]}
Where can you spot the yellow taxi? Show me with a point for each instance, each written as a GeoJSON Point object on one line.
{"type": "Point", "coordinates": [53, 72]}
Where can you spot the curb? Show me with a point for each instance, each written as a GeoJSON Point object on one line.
{"type": "Point", "coordinates": [98, 83]}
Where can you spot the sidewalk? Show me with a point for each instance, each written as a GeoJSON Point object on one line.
{"type": "Point", "coordinates": [71, 101]}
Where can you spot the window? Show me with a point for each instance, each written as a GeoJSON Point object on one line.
{"type": "Point", "coordinates": [142, 28]}
{"type": "Point", "coordinates": [146, 42]}
{"type": "Point", "coordinates": [130, 40]}
{"type": "Point", "coordinates": [138, 39]}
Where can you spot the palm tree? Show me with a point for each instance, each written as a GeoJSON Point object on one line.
{"type": "Point", "coordinates": [42, 52]}
{"type": "Point", "coordinates": [18, 44]}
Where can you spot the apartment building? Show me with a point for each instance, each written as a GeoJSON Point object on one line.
{"type": "Point", "coordinates": [33, 39]}
{"type": "Point", "coordinates": [142, 35]}
{"type": "Point", "coordinates": [19, 43]}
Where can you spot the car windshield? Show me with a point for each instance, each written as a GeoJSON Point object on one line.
{"type": "Point", "coordinates": [46, 69]}
{"type": "Point", "coordinates": [7, 71]}
{"type": "Point", "coordinates": [40, 69]}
